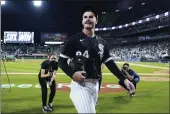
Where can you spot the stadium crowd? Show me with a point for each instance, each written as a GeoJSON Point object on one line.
{"type": "Point", "coordinates": [14, 49]}
{"type": "Point", "coordinates": [138, 51]}
{"type": "Point", "coordinates": [143, 50]}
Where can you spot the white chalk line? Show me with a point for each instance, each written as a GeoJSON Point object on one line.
{"type": "Point", "coordinates": [149, 66]}
{"type": "Point", "coordinates": [21, 73]}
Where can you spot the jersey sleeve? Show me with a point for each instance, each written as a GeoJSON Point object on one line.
{"type": "Point", "coordinates": [106, 56]}
{"type": "Point", "coordinates": [68, 49]}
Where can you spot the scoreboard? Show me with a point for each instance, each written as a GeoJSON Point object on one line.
{"type": "Point", "coordinates": [18, 37]}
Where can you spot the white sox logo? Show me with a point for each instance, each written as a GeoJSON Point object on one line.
{"type": "Point", "coordinates": [101, 48]}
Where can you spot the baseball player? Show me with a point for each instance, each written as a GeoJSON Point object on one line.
{"type": "Point", "coordinates": [85, 84]}
{"type": "Point", "coordinates": [46, 76]}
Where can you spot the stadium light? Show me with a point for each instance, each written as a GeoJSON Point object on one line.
{"type": "Point", "coordinates": [104, 28]}
{"type": "Point", "coordinates": [157, 16]}
{"type": "Point", "coordinates": [54, 42]}
{"type": "Point", "coordinates": [37, 3]}
{"type": "Point", "coordinates": [143, 4]}
{"type": "Point", "coordinates": [3, 2]}
{"type": "Point", "coordinates": [130, 7]}
{"type": "Point", "coordinates": [120, 26]}
{"type": "Point", "coordinates": [113, 27]}
{"type": "Point", "coordinates": [140, 21]}
{"type": "Point", "coordinates": [117, 10]}
{"type": "Point", "coordinates": [147, 19]}
{"type": "Point", "coordinates": [96, 29]}
{"type": "Point", "coordinates": [160, 26]}
{"type": "Point", "coordinates": [133, 23]}
{"type": "Point", "coordinates": [126, 25]}
{"type": "Point", "coordinates": [166, 13]}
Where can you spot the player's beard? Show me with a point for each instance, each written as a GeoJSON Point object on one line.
{"type": "Point", "coordinates": [89, 26]}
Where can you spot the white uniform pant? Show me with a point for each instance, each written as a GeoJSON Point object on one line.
{"type": "Point", "coordinates": [84, 96]}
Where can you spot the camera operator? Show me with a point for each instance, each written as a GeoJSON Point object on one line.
{"type": "Point", "coordinates": [131, 75]}
{"type": "Point", "coordinates": [46, 75]}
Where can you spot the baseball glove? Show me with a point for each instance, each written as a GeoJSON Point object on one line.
{"type": "Point", "coordinates": [78, 63]}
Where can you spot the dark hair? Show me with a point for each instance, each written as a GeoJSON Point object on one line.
{"type": "Point", "coordinates": [90, 9]}
{"type": "Point", "coordinates": [49, 55]}
{"type": "Point", "coordinates": [126, 64]}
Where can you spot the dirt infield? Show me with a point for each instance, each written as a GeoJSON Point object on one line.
{"type": "Point", "coordinates": [105, 88]}
{"type": "Point", "coordinates": [162, 71]}
{"type": "Point", "coordinates": [112, 88]}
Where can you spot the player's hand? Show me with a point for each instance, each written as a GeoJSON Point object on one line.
{"type": "Point", "coordinates": [130, 86]}
{"type": "Point", "coordinates": [78, 76]}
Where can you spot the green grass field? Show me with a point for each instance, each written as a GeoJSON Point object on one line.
{"type": "Point", "coordinates": [151, 96]}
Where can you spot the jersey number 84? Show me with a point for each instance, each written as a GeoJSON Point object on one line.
{"type": "Point", "coordinates": [85, 54]}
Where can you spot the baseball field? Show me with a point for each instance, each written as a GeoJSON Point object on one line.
{"type": "Point", "coordinates": [152, 94]}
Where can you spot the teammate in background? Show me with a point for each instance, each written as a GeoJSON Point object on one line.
{"type": "Point", "coordinates": [131, 75]}
{"type": "Point", "coordinates": [46, 76]}
{"type": "Point", "coordinates": [85, 84]}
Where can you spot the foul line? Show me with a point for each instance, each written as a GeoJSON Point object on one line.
{"type": "Point", "coordinates": [149, 66]}
{"type": "Point", "coordinates": [21, 73]}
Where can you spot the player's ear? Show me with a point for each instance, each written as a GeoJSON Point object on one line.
{"type": "Point", "coordinates": [82, 22]}
{"type": "Point", "coordinates": [96, 20]}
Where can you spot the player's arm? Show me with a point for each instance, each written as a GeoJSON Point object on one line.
{"type": "Point", "coordinates": [64, 66]}
{"type": "Point", "coordinates": [111, 65]}
{"type": "Point", "coordinates": [68, 52]}
{"type": "Point", "coordinates": [129, 75]}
